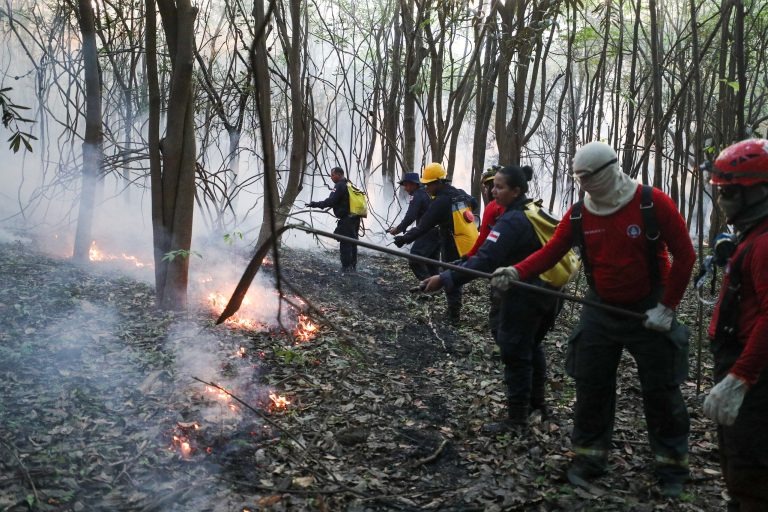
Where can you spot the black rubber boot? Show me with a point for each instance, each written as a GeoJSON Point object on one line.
{"type": "Point", "coordinates": [518, 414]}
{"type": "Point", "coordinates": [581, 473]}
{"type": "Point", "coordinates": [538, 402]}
{"type": "Point", "coordinates": [516, 421]}
{"type": "Point", "coordinates": [454, 314]}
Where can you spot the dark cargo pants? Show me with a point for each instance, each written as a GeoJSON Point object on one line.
{"type": "Point", "coordinates": [521, 323]}
{"type": "Point", "coordinates": [449, 252]}
{"type": "Point", "coordinates": [348, 226]}
{"type": "Point", "coordinates": [427, 245]}
{"type": "Point", "coordinates": [744, 445]}
{"type": "Point", "coordinates": [594, 351]}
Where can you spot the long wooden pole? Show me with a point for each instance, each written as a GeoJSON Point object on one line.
{"type": "Point", "coordinates": [253, 267]}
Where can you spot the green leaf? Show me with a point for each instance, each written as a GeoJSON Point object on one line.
{"type": "Point", "coordinates": [181, 253]}
{"type": "Point", "coordinates": [15, 142]}
{"type": "Point", "coordinates": [734, 84]}
{"type": "Point", "coordinates": [229, 238]}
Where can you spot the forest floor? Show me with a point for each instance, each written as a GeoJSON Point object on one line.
{"type": "Point", "coordinates": [100, 408]}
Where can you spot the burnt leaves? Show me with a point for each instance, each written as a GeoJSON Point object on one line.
{"type": "Point", "coordinates": [387, 404]}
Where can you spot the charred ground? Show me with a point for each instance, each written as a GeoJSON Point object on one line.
{"type": "Point", "coordinates": [386, 403]}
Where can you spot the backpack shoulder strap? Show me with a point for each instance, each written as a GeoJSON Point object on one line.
{"type": "Point", "coordinates": [727, 319]}
{"type": "Point", "coordinates": [526, 203]}
{"type": "Point", "coordinates": [651, 233]}
{"type": "Point", "coordinates": [577, 231]}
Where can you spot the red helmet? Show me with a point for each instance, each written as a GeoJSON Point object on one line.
{"type": "Point", "coordinates": [743, 163]}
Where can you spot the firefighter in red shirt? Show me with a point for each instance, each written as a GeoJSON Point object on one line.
{"type": "Point", "coordinates": [626, 232]}
{"type": "Point", "coordinates": [739, 328]}
{"type": "Point", "coordinates": [491, 212]}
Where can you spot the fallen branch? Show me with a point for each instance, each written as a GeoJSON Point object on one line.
{"type": "Point", "coordinates": [432, 457]}
{"type": "Point", "coordinates": [23, 468]}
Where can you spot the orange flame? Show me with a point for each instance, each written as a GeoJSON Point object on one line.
{"type": "Point", "coordinates": [279, 402]}
{"type": "Point", "coordinates": [219, 394]}
{"type": "Point", "coordinates": [96, 254]}
{"type": "Point", "coordinates": [182, 443]}
{"type": "Point", "coordinates": [218, 301]}
{"type": "Point", "coordinates": [306, 330]}
{"type": "Point", "coordinates": [222, 396]}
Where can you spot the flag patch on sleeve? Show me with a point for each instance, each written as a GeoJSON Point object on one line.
{"type": "Point", "coordinates": [493, 236]}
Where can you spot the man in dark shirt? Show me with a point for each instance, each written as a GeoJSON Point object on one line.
{"type": "Point", "coordinates": [348, 224]}
{"type": "Point", "coordinates": [440, 214]}
{"type": "Point", "coordinates": [427, 245]}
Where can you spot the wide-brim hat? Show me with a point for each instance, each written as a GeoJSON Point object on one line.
{"type": "Point", "coordinates": [413, 177]}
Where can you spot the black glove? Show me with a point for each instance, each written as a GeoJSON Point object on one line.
{"type": "Point", "coordinates": [312, 204]}
{"type": "Point", "coordinates": [400, 240]}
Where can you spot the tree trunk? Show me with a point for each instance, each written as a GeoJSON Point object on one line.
{"type": "Point", "coordinates": [740, 57]}
{"type": "Point", "coordinates": [415, 54]}
{"type": "Point", "coordinates": [486, 77]}
{"type": "Point", "coordinates": [173, 178]}
{"type": "Point", "coordinates": [658, 135]}
{"type": "Point", "coordinates": [392, 101]}
{"type": "Point", "coordinates": [628, 158]}
{"type": "Point", "coordinates": [93, 143]}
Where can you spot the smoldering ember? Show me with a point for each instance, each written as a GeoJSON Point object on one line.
{"type": "Point", "coordinates": [371, 402]}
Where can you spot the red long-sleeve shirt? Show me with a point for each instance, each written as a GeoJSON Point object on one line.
{"type": "Point", "coordinates": [617, 250]}
{"type": "Point", "coordinates": [753, 307]}
{"type": "Point", "coordinates": [491, 213]}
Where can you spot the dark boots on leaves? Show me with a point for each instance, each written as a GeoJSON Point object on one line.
{"type": "Point", "coordinates": [542, 409]}
{"type": "Point", "coordinates": [538, 403]}
{"type": "Point", "coordinates": [516, 422]}
{"type": "Point", "coordinates": [454, 314]}
{"type": "Point", "coordinates": [581, 474]}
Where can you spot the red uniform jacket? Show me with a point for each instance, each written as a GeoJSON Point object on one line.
{"type": "Point", "coordinates": [491, 214]}
{"type": "Point", "coordinates": [616, 247]}
{"type": "Point", "coordinates": [753, 308]}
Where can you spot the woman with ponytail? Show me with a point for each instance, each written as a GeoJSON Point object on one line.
{"type": "Point", "coordinates": [523, 317]}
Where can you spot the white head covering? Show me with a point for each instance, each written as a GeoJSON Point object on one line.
{"type": "Point", "coordinates": [607, 189]}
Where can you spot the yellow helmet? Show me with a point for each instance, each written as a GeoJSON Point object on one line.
{"type": "Point", "coordinates": [489, 173]}
{"type": "Point", "coordinates": [433, 172]}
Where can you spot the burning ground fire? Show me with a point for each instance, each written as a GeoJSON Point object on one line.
{"type": "Point", "coordinates": [250, 315]}
{"type": "Point", "coordinates": [181, 440]}
{"type": "Point", "coordinates": [188, 437]}
{"type": "Point", "coordinates": [222, 396]}
{"type": "Point", "coordinates": [96, 254]}
{"type": "Point", "coordinates": [305, 330]}
{"type": "Point", "coordinates": [217, 301]}
{"type": "Point", "coordinates": [279, 402]}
